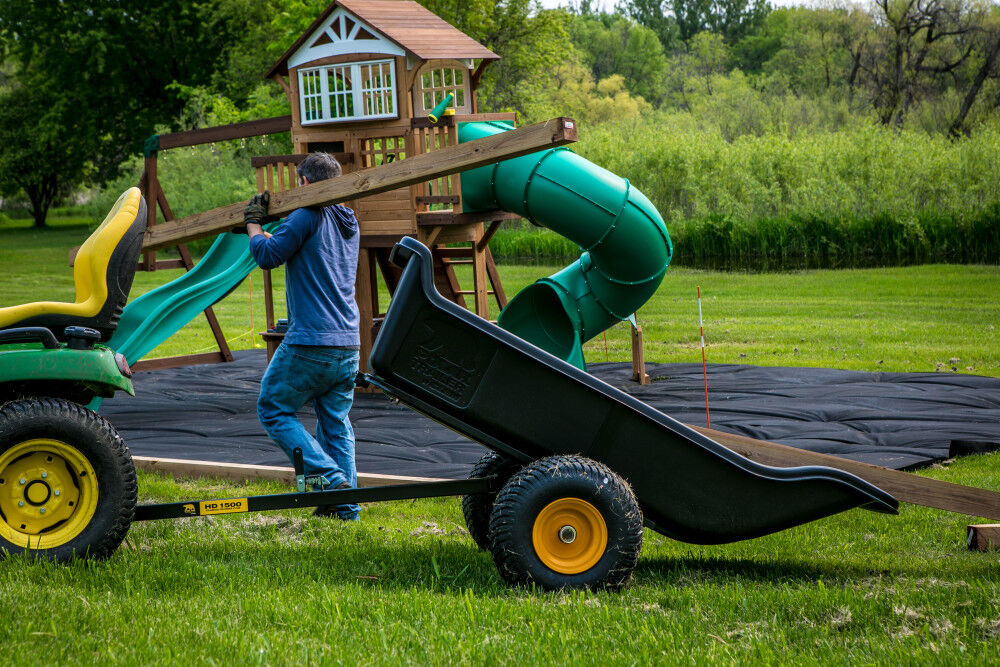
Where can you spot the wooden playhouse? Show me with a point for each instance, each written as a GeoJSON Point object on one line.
{"type": "Point", "coordinates": [361, 82]}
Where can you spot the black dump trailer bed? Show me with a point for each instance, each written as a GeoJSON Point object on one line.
{"type": "Point", "coordinates": [526, 404]}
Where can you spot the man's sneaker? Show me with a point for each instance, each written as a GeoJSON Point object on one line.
{"type": "Point", "coordinates": [331, 510]}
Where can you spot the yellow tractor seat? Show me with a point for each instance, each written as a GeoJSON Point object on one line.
{"type": "Point", "coordinates": [103, 273]}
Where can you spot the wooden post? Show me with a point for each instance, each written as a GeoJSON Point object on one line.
{"type": "Point", "coordinates": [491, 271]}
{"type": "Point", "coordinates": [983, 536]}
{"type": "Point", "coordinates": [363, 295]}
{"type": "Point", "coordinates": [151, 185]}
{"type": "Point", "coordinates": [480, 278]}
{"type": "Point", "coordinates": [638, 356]}
{"type": "Point", "coordinates": [268, 287]}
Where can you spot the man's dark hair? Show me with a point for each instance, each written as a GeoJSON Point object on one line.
{"type": "Point", "coordinates": [318, 167]}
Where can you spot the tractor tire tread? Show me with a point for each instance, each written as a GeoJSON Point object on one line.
{"type": "Point", "coordinates": [477, 507]}
{"type": "Point", "coordinates": [120, 516]}
{"type": "Point", "coordinates": [511, 552]}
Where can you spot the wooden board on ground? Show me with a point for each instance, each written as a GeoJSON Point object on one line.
{"type": "Point", "coordinates": [905, 486]}
{"type": "Point", "coordinates": [414, 169]}
{"type": "Point", "coordinates": [241, 472]}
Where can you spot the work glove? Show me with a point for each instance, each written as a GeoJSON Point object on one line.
{"type": "Point", "coordinates": [255, 212]}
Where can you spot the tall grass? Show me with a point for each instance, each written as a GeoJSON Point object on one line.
{"type": "Point", "coordinates": [521, 243]}
{"type": "Point", "coordinates": [857, 197]}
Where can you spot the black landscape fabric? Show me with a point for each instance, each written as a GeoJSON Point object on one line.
{"type": "Point", "coordinates": [897, 420]}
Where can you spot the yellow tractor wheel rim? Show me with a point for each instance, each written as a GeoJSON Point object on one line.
{"type": "Point", "coordinates": [569, 536]}
{"type": "Point", "coordinates": [48, 493]}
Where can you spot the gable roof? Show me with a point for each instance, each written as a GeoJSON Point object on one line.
{"type": "Point", "coordinates": [404, 22]}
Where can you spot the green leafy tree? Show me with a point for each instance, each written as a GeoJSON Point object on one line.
{"type": "Point", "coordinates": [655, 15]}
{"type": "Point", "coordinates": [751, 52]}
{"type": "Point", "coordinates": [94, 77]}
{"type": "Point", "coordinates": [571, 90]}
{"type": "Point", "coordinates": [812, 59]}
{"type": "Point", "coordinates": [733, 19]}
{"type": "Point", "coordinates": [613, 45]}
{"type": "Point", "coordinates": [41, 154]}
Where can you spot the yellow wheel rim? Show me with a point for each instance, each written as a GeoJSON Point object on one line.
{"type": "Point", "coordinates": [569, 535]}
{"type": "Point", "coordinates": [48, 493]}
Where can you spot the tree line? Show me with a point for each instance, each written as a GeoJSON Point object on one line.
{"type": "Point", "coordinates": [82, 83]}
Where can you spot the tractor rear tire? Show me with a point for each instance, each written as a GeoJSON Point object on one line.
{"type": "Point", "coordinates": [67, 482]}
{"type": "Point", "coordinates": [566, 522]}
{"type": "Point", "coordinates": [477, 507]}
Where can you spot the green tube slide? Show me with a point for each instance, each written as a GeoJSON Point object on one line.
{"type": "Point", "coordinates": [625, 247]}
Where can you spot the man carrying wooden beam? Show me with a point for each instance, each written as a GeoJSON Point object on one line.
{"type": "Point", "coordinates": [318, 359]}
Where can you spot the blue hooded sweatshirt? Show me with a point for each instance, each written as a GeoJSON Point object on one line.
{"type": "Point", "coordinates": [319, 248]}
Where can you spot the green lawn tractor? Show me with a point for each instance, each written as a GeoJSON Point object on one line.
{"type": "Point", "coordinates": [67, 481]}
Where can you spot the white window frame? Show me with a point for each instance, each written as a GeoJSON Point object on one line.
{"type": "Point", "coordinates": [387, 93]}
{"type": "Point", "coordinates": [439, 90]}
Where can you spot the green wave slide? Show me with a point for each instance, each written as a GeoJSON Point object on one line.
{"type": "Point", "coordinates": [160, 313]}
{"type": "Point", "coordinates": [625, 252]}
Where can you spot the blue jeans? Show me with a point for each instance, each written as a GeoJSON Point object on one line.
{"type": "Point", "coordinates": [296, 375]}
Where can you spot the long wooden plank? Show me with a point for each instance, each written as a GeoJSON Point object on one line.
{"type": "Point", "coordinates": [161, 363]}
{"type": "Point", "coordinates": [414, 169]}
{"type": "Point", "coordinates": [242, 472]}
{"type": "Point", "coordinates": [250, 128]}
{"type": "Point", "coordinates": [905, 486]}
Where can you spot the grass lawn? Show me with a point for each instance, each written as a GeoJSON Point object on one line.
{"type": "Point", "coordinates": [920, 318]}
{"type": "Point", "coordinates": [408, 584]}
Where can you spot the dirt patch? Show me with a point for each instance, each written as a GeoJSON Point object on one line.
{"type": "Point", "coordinates": [431, 528]}
{"type": "Point", "coordinates": [991, 628]}
{"type": "Point", "coordinates": [841, 618]}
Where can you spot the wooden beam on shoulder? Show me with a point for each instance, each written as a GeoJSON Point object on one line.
{"type": "Point", "coordinates": [904, 486]}
{"type": "Point", "coordinates": [366, 182]}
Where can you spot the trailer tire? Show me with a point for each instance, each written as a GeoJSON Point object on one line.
{"type": "Point", "coordinates": [477, 507]}
{"type": "Point", "coordinates": [67, 481]}
{"type": "Point", "coordinates": [566, 522]}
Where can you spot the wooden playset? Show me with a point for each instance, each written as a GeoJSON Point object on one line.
{"type": "Point", "coordinates": [361, 82]}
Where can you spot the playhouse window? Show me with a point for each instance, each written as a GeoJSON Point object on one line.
{"type": "Point", "coordinates": [351, 91]}
{"type": "Point", "coordinates": [436, 83]}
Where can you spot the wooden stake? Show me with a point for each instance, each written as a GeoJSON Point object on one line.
{"type": "Point", "coordinates": [984, 536]}
{"type": "Point", "coordinates": [151, 185]}
{"type": "Point", "coordinates": [363, 295]}
{"type": "Point", "coordinates": [638, 356]}
{"type": "Point", "coordinates": [491, 271]}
